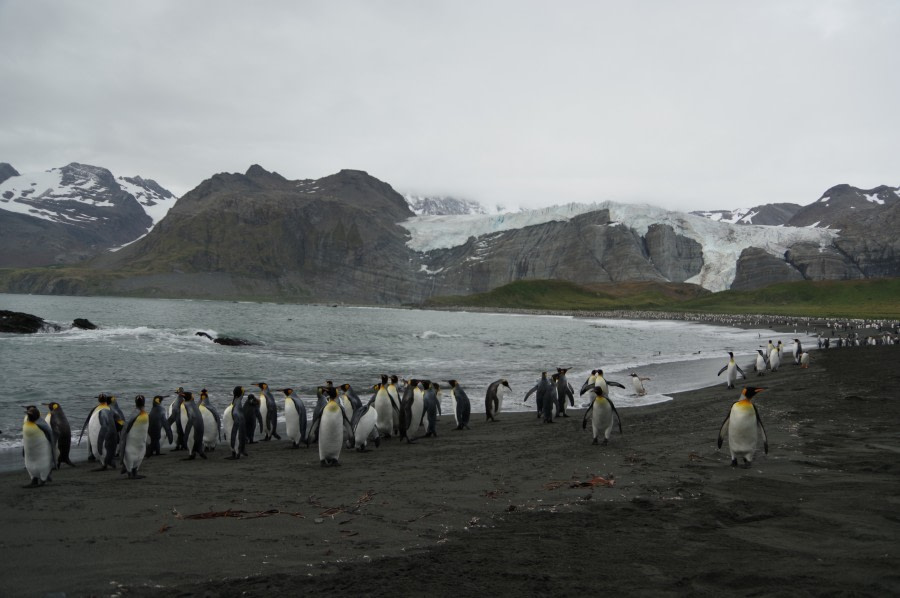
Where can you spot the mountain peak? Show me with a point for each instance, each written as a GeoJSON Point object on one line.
{"type": "Point", "coordinates": [7, 171]}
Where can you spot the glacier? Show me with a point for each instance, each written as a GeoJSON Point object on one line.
{"type": "Point", "coordinates": [722, 242]}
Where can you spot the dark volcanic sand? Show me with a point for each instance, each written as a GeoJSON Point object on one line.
{"type": "Point", "coordinates": [493, 509]}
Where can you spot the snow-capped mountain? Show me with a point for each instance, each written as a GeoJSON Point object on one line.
{"type": "Point", "coordinates": [66, 214]}
{"type": "Point", "coordinates": [442, 206]}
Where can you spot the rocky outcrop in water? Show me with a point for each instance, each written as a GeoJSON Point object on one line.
{"type": "Point", "coordinates": [21, 323]}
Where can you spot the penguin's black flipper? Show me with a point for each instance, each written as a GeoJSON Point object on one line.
{"type": "Point", "coordinates": [615, 412]}
{"type": "Point", "coordinates": [587, 414]}
{"type": "Point", "coordinates": [740, 371]}
{"type": "Point", "coordinates": [724, 367]}
{"type": "Point", "coordinates": [86, 420]}
{"type": "Point", "coordinates": [722, 430]}
{"type": "Point", "coordinates": [611, 383]}
{"type": "Point", "coordinates": [761, 427]}
{"type": "Point", "coordinates": [530, 392]}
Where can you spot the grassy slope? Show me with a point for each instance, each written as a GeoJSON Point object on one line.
{"type": "Point", "coordinates": [874, 298]}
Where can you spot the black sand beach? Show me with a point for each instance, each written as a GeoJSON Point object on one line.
{"type": "Point", "coordinates": [505, 508]}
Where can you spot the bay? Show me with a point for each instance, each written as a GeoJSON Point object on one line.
{"type": "Point", "coordinates": [150, 347]}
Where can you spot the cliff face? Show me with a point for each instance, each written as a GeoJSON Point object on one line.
{"type": "Point", "coordinates": [333, 239]}
{"type": "Point", "coordinates": [586, 249]}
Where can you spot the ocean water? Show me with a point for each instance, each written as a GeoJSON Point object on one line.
{"type": "Point", "coordinates": [149, 347]}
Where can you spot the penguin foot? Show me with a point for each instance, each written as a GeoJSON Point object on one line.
{"type": "Point", "coordinates": [232, 457]}
{"type": "Point", "coordinates": [605, 442]}
{"type": "Point", "coordinates": [202, 455]}
{"type": "Point", "coordinates": [277, 437]}
{"type": "Point", "coordinates": [191, 458]}
{"type": "Point", "coordinates": [92, 458]}
{"type": "Point", "coordinates": [565, 415]}
{"type": "Point", "coordinates": [734, 462]}
{"type": "Point", "coordinates": [595, 441]}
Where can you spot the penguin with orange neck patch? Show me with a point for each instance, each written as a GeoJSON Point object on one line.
{"type": "Point", "coordinates": [742, 423]}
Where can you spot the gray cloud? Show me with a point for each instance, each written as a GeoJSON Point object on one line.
{"type": "Point", "coordinates": [686, 105]}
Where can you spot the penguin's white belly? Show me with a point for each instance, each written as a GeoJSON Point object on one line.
{"type": "Point", "coordinates": [38, 452]}
{"type": "Point", "coordinates": [638, 387]}
{"type": "Point", "coordinates": [501, 394]}
{"type": "Point", "coordinates": [292, 421]}
{"type": "Point", "coordinates": [365, 429]}
{"type": "Point", "coordinates": [384, 416]}
{"type": "Point", "coordinates": [331, 434]}
{"type": "Point", "coordinates": [418, 405]}
{"type": "Point", "coordinates": [742, 434]}
{"type": "Point", "coordinates": [760, 363]}
{"type": "Point", "coordinates": [94, 433]}
{"type": "Point", "coordinates": [264, 412]}
{"type": "Point", "coordinates": [601, 418]}
{"type": "Point", "coordinates": [774, 360]}
{"type": "Point", "coordinates": [455, 410]}
{"type": "Point", "coordinates": [228, 424]}
{"type": "Point", "coordinates": [210, 429]}
{"type": "Point", "coordinates": [136, 443]}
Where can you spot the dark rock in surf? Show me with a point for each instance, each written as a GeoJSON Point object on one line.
{"type": "Point", "coordinates": [84, 324]}
{"type": "Point", "coordinates": [225, 340]}
{"type": "Point", "coordinates": [21, 323]}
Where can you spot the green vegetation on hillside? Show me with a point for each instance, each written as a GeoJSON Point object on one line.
{"type": "Point", "coordinates": [871, 298]}
{"type": "Point", "coordinates": [563, 295]}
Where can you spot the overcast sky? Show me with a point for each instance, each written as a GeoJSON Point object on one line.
{"type": "Point", "coordinates": [685, 105]}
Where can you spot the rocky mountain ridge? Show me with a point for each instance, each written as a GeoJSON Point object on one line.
{"type": "Point", "coordinates": [352, 238]}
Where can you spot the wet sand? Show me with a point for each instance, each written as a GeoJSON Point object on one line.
{"type": "Point", "coordinates": [505, 508]}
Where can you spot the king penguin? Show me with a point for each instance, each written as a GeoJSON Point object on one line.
{"type": "Point", "coordinates": [384, 409]}
{"type": "Point", "coordinates": [411, 408]}
{"type": "Point", "coordinates": [775, 356]}
{"type": "Point", "coordinates": [601, 413]}
{"type": "Point", "coordinates": [741, 424]}
{"type": "Point", "coordinates": [294, 418]}
{"type": "Point", "coordinates": [159, 423]}
{"type": "Point", "coordinates": [493, 398]}
{"type": "Point", "coordinates": [761, 363]}
{"type": "Point", "coordinates": [798, 351]}
{"type": "Point", "coordinates": [462, 407]}
{"type": "Point", "coordinates": [38, 446]}
{"type": "Point", "coordinates": [61, 431]}
{"type": "Point", "coordinates": [331, 430]}
{"type": "Point", "coordinates": [563, 391]}
{"type": "Point", "coordinates": [637, 383]}
{"type": "Point", "coordinates": [432, 404]}
{"type": "Point", "coordinates": [233, 422]}
{"type": "Point", "coordinates": [364, 427]}
{"type": "Point", "coordinates": [732, 371]}
{"type": "Point", "coordinates": [194, 428]}
{"type": "Point", "coordinates": [268, 409]}
{"type": "Point", "coordinates": [134, 439]}
{"type": "Point", "coordinates": [394, 392]}
{"type": "Point", "coordinates": [212, 424]}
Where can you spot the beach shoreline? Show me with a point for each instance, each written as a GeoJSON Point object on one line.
{"type": "Point", "coordinates": [505, 507]}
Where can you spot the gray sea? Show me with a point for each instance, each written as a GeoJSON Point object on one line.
{"type": "Point", "coordinates": [150, 347]}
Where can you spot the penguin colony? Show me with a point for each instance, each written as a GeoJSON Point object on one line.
{"type": "Point", "coordinates": [404, 409]}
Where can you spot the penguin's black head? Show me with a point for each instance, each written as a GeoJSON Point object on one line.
{"type": "Point", "coordinates": [505, 383]}
{"type": "Point", "coordinates": [261, 385]}
{"type": "Point", "coordinates": [102, 398]}
{"type": "Point", "coordinates": [435, 386]}
{"type": "Point", "coordinates": [53, 406]}
{"type": "Point", "coordinates": [452, 383]}
{"type": "Point", "coordinates": [287, 391]}
{"type": "Point", "coordinates": [238, 391]}
{"type": "Point", "coordinates": [188, 396]}
{"type": "Point", "coordinates": [395, 378]}
{"type": "Point", "coordinates": [331, 392]}
{"type": "Point", "coordinates": [599, 372]}
{"type": "Point", "coordinates": [426, 384]}
{"type": "Point", "coordinates": [32, 413]}
{"type": "Point", "coordinates": [139, 401]}
{"type": "Point", "coordinates": [384, 378]}
{"type": "Point", "coordinates": [633, 375]}
{"type": "Point", "coordinates": [251, 399]}
{"type": "Point", "coordinates": [329, 384]}
{"type": "Point", "coordinates": [203, 393]}
{"type": "Point", "coordinates": [157, 400]}
{"type": "Point", "coordinates": [749, 392]}
{"type": "Point", "coordinates": [730, 354]}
